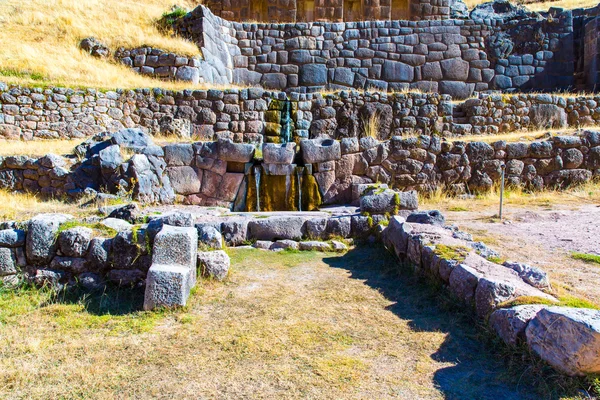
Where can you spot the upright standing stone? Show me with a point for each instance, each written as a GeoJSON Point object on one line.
{"type": "Point", "coordinates": [173, 271]}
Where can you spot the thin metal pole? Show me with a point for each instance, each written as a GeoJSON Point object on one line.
{"type": "Point", "coordinates": [501, 191]}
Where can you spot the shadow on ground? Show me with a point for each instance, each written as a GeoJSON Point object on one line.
{"type": "Point", "coordinates": [482, 367]}
{"type": "Point", "coordinates": [111, 300]}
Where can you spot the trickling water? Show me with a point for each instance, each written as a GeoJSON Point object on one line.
{"type": "Point", "coordinates": [288, 183]}
{"type": "Point", "coordinates": [286, 122]}
{"type": "Point", "coordinates": [299, 172]}
{"type": "Point", "coordinates": [257, 183]}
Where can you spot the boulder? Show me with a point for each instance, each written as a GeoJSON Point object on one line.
{"type": "Point", "coordinates": [41, 237]}
{"type": "Point", "coordinates": [74, 242]}
{"type": "Point", "coordinates": [116, 224]}
{"type": "Point", "coordinates": [534, 276]}
{"type": "Point", "coordinates": [285, 244]}
{"type": "Point", "coordinates": [12, 237]}
{"type": "Point", "coordinates": [234, 231]}
{"type": "Point", "coordinates": [94, 47]}
{"type": "Point", "coordinates": [188, 74]}
{"type": "Point", "coordinates": [179, 154]}
{"type": "Point", "coordinates": [262, 244]}
{"type": "Point", "coordinates": [320, 150]}
{"type": "Point", "coordinates": [98, 253]}
{"type": "Point", "coordinates": [91, 281]}
{"type": "Point", "coordinates": [128, 212]}
{"type": "Point", "coordinates": [175, 245]}
{"type": "Point", "coordinates": [214, 264]}
{"type": "Point", "coordinates": [184, 180]}
{"type": "Point", "coordinates": [510, 323]}
{"type": "Point", "coordinates": [314, 245]}
{"type": "Point", "coordinates": [279, 153]}
{"type": "Point", "coordinates": [339, 226]}
{"type": "Point", "coordinates": [547, 116]}
{"type": "Point", "coordinates": [338, 246]}
{"type": "Point", "coordinates": [167, 286]}
{"type": "Point", "coordinates": [388, 201]}
{"type": "Point", "coordinates": [316, 228]}
{"type": "Point", "coordinates": [48, 278]}
{"type": "Point", "coordinates": [133, 139]}
{"type": "Point", "coordinates": [127, 247]}
{"type": "Point", "coordinates": [313, 75]}
{"type": "Point", "coordinates": [567, 338]}
{"type": "Point", "coordinates": [73, 265]}
{"type": "Point", "coordinates": [235, 152]}
{"type": "Point", "coordinates": [210, 236]}
{"type": "Point", "coordinates": [8, 262]}
{"type": "Point", "coordinates": [395, 236]}
{"type": "Point", "coordinates": [276, 228]}
{"type": "Point", "coordinates": [432, 217]}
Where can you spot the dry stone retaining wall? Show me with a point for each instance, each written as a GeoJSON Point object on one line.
{"type": "Point", "coordinates": [255, 115]}
{"type": "Point", "coordinates": [161, 64]}
{"type": "Point", "coordinates": [520, 51]}
{"type": "Point", "coordinates": [218, 173]}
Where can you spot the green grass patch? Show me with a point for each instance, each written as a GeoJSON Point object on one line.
{"type": "Point", "coordinates": [586, 257]}
{"type": "Point", "coordinates": [456, 253]}
{"type": "Point", "coordinates": [115, 310]}
{"type": "Point", "coordinates": [168, 19]}
{"type": "Point", "coordinates": [563, 301]}
{"type": "Point", "coordinates": [22, 74]}
{"type": "Point", "coordinates": [97, 227]}
{"type": "Point", "coordinates": [458, 208]}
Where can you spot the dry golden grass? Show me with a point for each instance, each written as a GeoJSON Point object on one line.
{"type": "Point", "coordinates": [519, 136]}
{"type": "Point", "coordinates": [582, 194]}
{"type": "Point", "coordinates": [284, 325]}
{"type": "Point", "coordinates": [568, 4]}
{"type": "Point", "coordinates": [39, 41]}
{"type": "Point", "coordinates": [22, 206]}
{"type": "Point", "coordinates": [545, 5]}
{"type": "Point", "coordinates": [37, 148]}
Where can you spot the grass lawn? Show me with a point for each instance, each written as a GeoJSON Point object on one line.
{"type": "Point", "coordinates": [284, 325]}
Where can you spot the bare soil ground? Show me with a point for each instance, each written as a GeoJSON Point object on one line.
{"type": "Point", "coordinates": [544, 236]}
{"type": "Point", "coordinates": [284, 325]}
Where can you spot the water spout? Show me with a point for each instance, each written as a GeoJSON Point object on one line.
{"type": "Point", "coordinates": [299, 172]}
{"type": "Point", "coordinates": [257, 183]}
{"type": "Point", "coordinates": [286, 122]}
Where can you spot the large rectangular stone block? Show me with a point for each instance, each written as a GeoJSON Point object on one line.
{"type": "Point", "coordinates": [167, 286]}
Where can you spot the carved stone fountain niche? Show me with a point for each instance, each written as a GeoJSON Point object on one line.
{"type": "Point", "coordinates": [279, 182]}
{"type": "Point", "coordinates": [282, 180]}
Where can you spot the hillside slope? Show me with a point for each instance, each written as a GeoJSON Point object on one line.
{"type": "Point", "coordinates": [39, 40]}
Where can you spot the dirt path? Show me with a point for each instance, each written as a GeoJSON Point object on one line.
{"type": "Point", "coordinates": [545, 237]}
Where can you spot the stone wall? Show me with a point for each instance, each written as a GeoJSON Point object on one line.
{"type": "Point", "coordinates": [592, 54]}
{"type": "Point", "coordinates": [225, 174]}
{"type": "Point", "coordinates": [444, 56]}
{"type": "Point", "coordinates": [491, 114]}
{"type": "Point", "coordinates": [255, 115]}
{"type": "Point", "coordinates": [160, 64]}
{"type": "Point", "coordinates": [457, 57]}
{"type": "Point", "coordinates": [534, 53]}
{"type": "Point", "coordinates": [329, 10]}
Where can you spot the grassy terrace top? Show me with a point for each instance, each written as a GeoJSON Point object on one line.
{"type": "Point", "coordinates": [39, 41]}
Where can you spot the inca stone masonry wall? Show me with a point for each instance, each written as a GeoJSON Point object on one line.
{"type": "Point", "coordinates": [456, 57]}
{"type": "Point", "coordinates": [329, 10]}
{"type": "Point", "coordinates": [161, 64]}
{"type": "Point", "coordinates": [255, 115]}
{"type": "Point", "coordinates": [218, 173]}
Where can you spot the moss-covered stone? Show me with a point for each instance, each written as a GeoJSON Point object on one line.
{"type": "Point", "coordinates": [280, 193]}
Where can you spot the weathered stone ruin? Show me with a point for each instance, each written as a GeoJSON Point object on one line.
{"type": "Point", "coordinates": [410, 78]}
